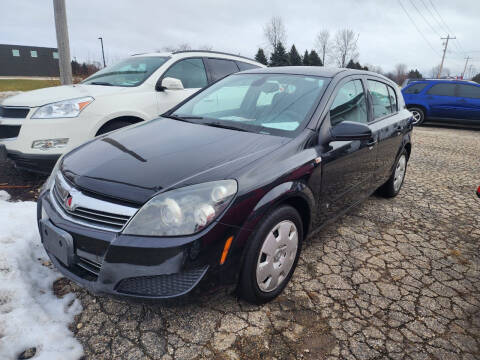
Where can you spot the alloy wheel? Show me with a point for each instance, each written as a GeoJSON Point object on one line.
{"type": "Point", "coordinates": [417, 116]}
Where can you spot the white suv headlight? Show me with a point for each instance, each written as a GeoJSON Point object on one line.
{"type": "Point", "coordinates": [183, 211]}
{"type": "Point", "coordinates": [63, 109]}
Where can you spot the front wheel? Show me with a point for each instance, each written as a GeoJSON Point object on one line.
{"type": "Point", "coordinates": [418, 115]}
{"type": "Point", "coordinates": [393, 185]}
{"type": "Point", "coordinates": [272, 256]}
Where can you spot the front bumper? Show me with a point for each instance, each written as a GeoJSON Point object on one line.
{"type": "Point", "coordinates": [42, 164]}
{"type": "Point", "coordinates": [106, 262]}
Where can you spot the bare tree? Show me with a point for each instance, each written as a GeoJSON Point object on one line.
{"type": "Point", "coordinates": [374, 68]}
{"type": "Point", "coordinates": [322, 43]}
{"type": "Point", "coordinates": [345, 47]}
{"type": "Point", "coordinates": [181, 47]}
{"type": "Point", "coordinates": [275, 32]}
{"type": "Point", "coordinates": [206, 47]}
{"type": "Point", "coordinates": [400, 73]}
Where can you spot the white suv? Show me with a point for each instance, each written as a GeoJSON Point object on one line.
{"type": "Point", "coordinates": [36, 127]}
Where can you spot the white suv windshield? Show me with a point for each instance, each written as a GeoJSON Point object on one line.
{"type": "Point", "coordinates": [276, 104]}
{"type": "Point", "coordinates": [129, 72]}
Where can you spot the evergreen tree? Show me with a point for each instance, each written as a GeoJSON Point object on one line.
{"type": "Point", "coordinates": [279, 56]}
{"type": "Point", "coordinates": [260, 57]}
{"type": "Point", "coordinates": [476, 78]}
{"type": "Point", "coordinates": [414, 74]}
{"type": "Point", "coordinates": [314, 59]}
{"type": "Point", "coordinates": [351, 65]}
{"type": "Point", "coordinates": [294, 57]}
{"type": "Point", "coordinates": [306, 58]}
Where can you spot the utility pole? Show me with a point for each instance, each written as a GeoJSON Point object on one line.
{"type": "Point", "coordinates": [465, 68]}
{"type": "Point", "coordinates": [63, 45]}
{"type": "Point", "coordinates": [444, 52]}
{"type": "Point", "coordinates": [103, 54]}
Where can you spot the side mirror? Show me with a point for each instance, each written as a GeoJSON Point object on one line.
{"type": "Point", "coordinates": [169, 83]}
{"type": "Point", "coordinates": [349, 130]}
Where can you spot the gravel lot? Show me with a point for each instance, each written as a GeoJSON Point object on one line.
{"type": "Point", "coordinates": [393, 279]}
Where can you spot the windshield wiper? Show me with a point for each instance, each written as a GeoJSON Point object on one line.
{"type": "Point", "coordinates": [104, 83]}
{"type": "Point", "coordinates": [182, 118]}
{"type": "Point", "coordinates": [223, 126]}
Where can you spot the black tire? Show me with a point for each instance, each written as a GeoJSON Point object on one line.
{"type": "Point", "coordinates": [418, 115]}
{"type": "Point", "coordinates": [113, 125]}
{"type": "Point", "coordinates": [248, 287]}
{"type": "Point", "coordinates": [390, 189]}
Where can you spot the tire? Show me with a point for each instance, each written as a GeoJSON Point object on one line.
{"type": "Point", "coordinates": [281, 233]}
{"type": "Point", "coordinates": [393, 185]}
{"type": "Point", "coordinates": [113, 125]}
{"type": "Point", "coordinates": [418, 115]}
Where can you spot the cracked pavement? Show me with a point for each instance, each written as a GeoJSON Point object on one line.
{"type": "Point", "coordinates": [393, 279]}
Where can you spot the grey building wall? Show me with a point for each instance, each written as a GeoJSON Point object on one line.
{"type": "Point", "coordinates": [26, 64]}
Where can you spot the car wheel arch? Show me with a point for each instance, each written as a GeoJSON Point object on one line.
{"type": "Point", "coordinates": [129, 118]}
{"type": "Point", "coordinates": [421, 107]}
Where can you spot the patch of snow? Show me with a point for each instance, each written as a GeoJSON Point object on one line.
{"type": "Point", "coordinates": [30, 314]}
{"type": "Point", "coordinates": [4, 195]}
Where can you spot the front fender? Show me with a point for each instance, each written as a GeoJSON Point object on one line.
{"type": "Point", "coordinates": [285, 193]}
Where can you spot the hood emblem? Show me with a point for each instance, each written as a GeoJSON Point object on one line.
{"type": "Point", "coordinates": [69, 203]}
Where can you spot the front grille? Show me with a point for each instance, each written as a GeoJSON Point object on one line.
{"type": "Point", "coordinates": [9, 131]}
{"type": "Point", "coordinates": [90, 211]}
{"type": "Point", "coordinates": [14, 112]}
{"type": "Point", "coordinates": [162, 285]}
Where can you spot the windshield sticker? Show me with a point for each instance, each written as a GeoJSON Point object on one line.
{"type": "Point", "coordinates": [289, 126]}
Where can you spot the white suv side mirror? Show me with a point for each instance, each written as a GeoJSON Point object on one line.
{"type": "Point", "coordinates": [169, 83]}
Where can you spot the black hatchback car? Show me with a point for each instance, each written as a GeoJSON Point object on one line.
{"type": "Point", "coordinates": [224, 188]}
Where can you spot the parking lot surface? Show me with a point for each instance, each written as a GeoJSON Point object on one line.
{"type": "Point", "coordinates": [393, 279]}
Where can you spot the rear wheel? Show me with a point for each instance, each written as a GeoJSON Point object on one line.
{"type": "Point", "coordinates": [272, 256]}
{"type": "Point", "coordinates": [392, 187]}
{"type": "Point", "coordinates": [418, 115]}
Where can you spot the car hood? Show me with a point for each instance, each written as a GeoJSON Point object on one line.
{"type": "Point", "coordinates": [52, 94]}
{"type": "Point", "coordinates": [135, 163]}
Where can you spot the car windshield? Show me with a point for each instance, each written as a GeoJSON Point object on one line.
{"type": "Point", "coordinates": [276, 104]}
{"type": "Point", "coordinates": [129, 72]}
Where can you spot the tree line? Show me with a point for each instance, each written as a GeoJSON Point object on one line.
{"type": "Point", "coordinates": [84, 69]}
{"type": "Point", "coordinates": [339, 49]}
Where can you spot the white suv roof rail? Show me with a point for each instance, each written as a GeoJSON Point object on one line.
{"type": "Point", "coordinates": [214, 52]}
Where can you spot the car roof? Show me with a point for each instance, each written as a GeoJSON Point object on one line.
{"type": "Point", "coordinates": [322, 71]}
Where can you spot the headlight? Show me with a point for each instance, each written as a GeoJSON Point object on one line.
{"type": "Point", "coordinates": [63, 109]}
{"type": "Point", "coordinates": [183, 211]}
{"type": "Point", "coordinates": [51, 179]}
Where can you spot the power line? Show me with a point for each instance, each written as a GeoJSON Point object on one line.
{"type": "Point", "coordinates": [416, 27]}
{"type": "Point", "coordinates": [457, 43]}
{"type": "Point", "coordinates": [425, 19]}
{"type": "Point", "coordinates": [432, 15]}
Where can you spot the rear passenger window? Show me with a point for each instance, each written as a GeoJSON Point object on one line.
{"type": "Point", "coordinates": [380, 99]}
{"type": "Point", "coordinates": [349, 104]}
{"type": "Point", "coordinates": [393, 99]}
{"type": "Point", "coordinates": [415, 88]}
{"type": "Point", "coordinates": [190, 71]}
{"type": "Point", "coordinates": [469, 91]}
{"type": "Point", "coordinates": [246, 66]}
{"type": "Point", "coordinates": [220, 68]}
{"type": "Point", "coordinates": [442, 90]}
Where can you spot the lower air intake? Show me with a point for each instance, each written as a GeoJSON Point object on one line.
{"type": "Point", "coordinates": [162, 285]}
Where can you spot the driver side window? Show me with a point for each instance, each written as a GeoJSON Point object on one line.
{"type": "Point", "coordinates": [349, 104]}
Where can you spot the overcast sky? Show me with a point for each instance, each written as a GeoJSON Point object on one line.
{"type": "Point", "coordinates": [386, 35]}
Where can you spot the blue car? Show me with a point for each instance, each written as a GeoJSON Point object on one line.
{"type": "Point", "coordinates": [453, 101]}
